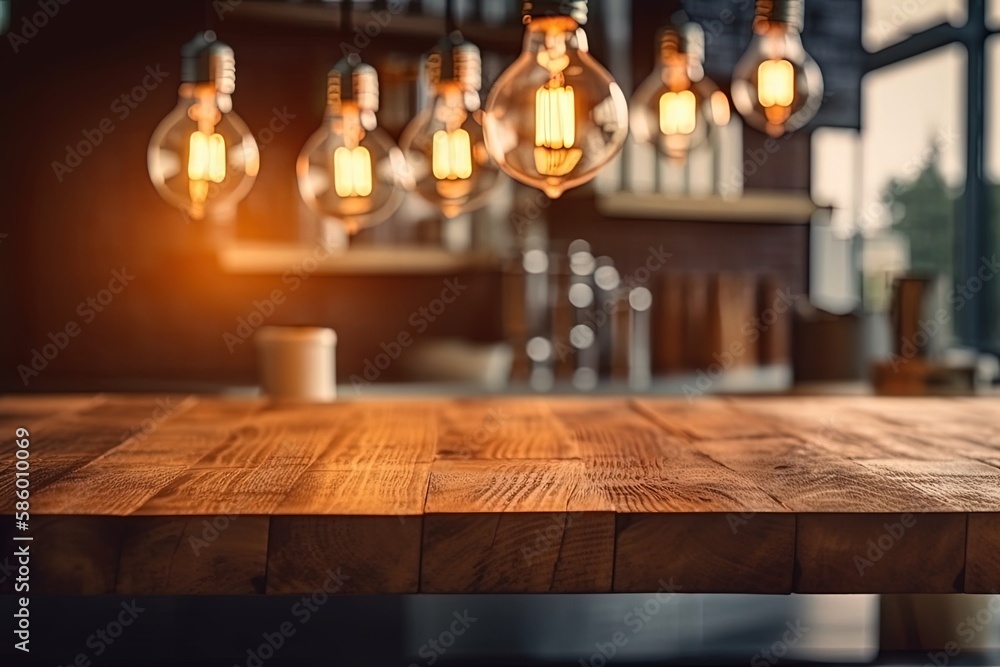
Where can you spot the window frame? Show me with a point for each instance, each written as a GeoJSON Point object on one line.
{"type": "Point", "coordinates": [973, 236]}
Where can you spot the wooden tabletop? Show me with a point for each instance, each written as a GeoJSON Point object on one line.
{"type": "Point", "coordinates": [187, 495]}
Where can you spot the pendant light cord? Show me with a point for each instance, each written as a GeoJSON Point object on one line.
{"type": "Point", "coordinates": [347, 17]}
{"type": "Point", "coordinates": [450, 22]}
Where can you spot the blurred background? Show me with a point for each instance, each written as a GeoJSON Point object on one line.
{"type": "Point", "coordinates": [814, 251]}
{"type": "Point", "coordinates": [854, 255]}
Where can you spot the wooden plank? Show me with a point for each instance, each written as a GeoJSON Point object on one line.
{"type": "Point", "coordinates": [379, 554]}
{"type": "Point", "coordinates": [537, 527]}
{"type": "Point", "coordinates": [880, 553]}
{"type": "Point", "coordinates": [841, 503]}
{"type": "Point", "coordinates": [195, 555]}
{"type": "Point", "coordinates": [982, 560]}
{"type": "Point", "coordinates": [357, 509]}
{"type": "Point", "coordinates": [514, 495]}
{"type": "Point", "coordinates": [663, 491]}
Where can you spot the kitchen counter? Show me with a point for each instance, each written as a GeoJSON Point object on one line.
{"type": "Point", "coordinates": [179, 495]}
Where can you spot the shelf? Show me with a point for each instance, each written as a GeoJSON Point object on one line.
{"type": "Point", "coordinates": [760, 207]}
{"type": "Point", "coordinates": [276, 259]}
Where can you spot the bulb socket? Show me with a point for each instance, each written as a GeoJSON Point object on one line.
{"type": "Point", "coordinates": [454, 59]}
{"type": "Point", "coordinates": [575, 9]}
{"type": "Point", "coordinates": [351, 80]}
{"type": "Point", "coordinates": [686, 39]}
{"type": "Point", "coordinates": [788, 12]}
{"type": "Point", "coordinates": [206, 60]}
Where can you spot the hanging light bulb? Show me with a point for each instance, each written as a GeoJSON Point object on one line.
{"type": "Point", "coordinates": [777, 86]}
{"type": "Point", "coordinates": [350, 169]}
{"type": "Point", "coordinates": [202, 158]}
{"type": "Point", "coordinates": [676, 105]}
{"type": "Point", "coordinates": [556, 117]}
{"type": "Point", "coordinates": [444, 144]}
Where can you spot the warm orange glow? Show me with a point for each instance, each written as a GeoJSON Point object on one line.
{"type": "Point", "coordinates": [720, 108]}
{"type": "Point", "coordinates": [452, 155]}
{"type": "Point", "coordinates": [555, 130]}
{"type": "Point", "coordinates": [776, 83]}
{"type": "Point", "coordinates": [352, 172]}
{"type": "Point", "coordinates": [678, 112]}
{"type": "Point", "coordinates": [206, 157]}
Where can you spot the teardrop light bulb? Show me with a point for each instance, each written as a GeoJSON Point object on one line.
{"type": "Point", "coordinates": [444, 144]}
{"type": "Point", "coordinates": [676, 106]}
{"type": "Point", "coordinates": [555, 117]}
{"type": "Point", "coordinates": [777, 86]}
{"type": "Point", "coordinates": [350, 169]}
{"type": "Point", "coordinates": [202, 157]}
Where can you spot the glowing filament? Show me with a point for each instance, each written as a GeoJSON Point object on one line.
{"type": "Point", "coordinates": [678, 112]}
{"type": "Point", "coordinates": [776, 83]}
{"type": "Point", "coordinates": [555, 117]}
{"type": "Point", "coordinates": [452, 159]}
{"type": "Point", "coordinates": [352, 172]}
{"type": "Point", "coordinates": [207, 157]}
{"type": "Point", "coordinates": [555, 130]}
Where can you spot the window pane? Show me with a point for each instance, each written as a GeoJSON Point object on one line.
{"type": "Point", "coordinates": [913, 168]}
{"type": "Point", "coordinates": [891, 21]}
{"type": "Point", "coordinates": [992, 315]}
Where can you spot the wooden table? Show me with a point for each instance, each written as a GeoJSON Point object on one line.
{"type": "Point", "coordinates": [185, 495]}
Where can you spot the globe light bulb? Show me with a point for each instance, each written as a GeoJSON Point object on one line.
{"type": "Point", "coordinates": [675, 107]}
{"type": "Point", "coordinates": [555, 117]}
{"type": "Point", "coordinates": [444, 144]}
{"type": "Point", "coordinates": [777, 86]}
{"type": "Point", "coordinates": [350, 169]}
{"type": "Point", "coordinates": [202, 158]}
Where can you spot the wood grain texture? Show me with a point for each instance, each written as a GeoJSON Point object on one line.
{"type": "Point", "coordinates": [202, 496]}
{"type": "Point", "coordinates": [982, 558]}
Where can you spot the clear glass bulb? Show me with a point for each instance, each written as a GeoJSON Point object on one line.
{"type": "Point", "coordinates": [675, 107]}
{"type": "Point", "coordinates": [446, 151]}
{"type": "Point", "coordinates": [202, 157]}
{"type": "Point", "coordinates": [555, 117]}
{"type": "Point", "coordinates": [777, 86]}
{"type": "Point", "coordinates": [350, 169]}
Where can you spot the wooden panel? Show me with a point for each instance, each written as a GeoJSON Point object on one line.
{"type": "Point", "coordinates": [377, 554]}
{"type": "Point", "coordinates": [982, 573]}
{"type": "Point", "coordinates": [538, 526]}
{"type": "Point", "coordinates": [204, 496]}
{"type": "Point", "coordinates": [198, 555]}
{"type": "Point", "coordinates": [880, 553]}
{"type": "Point", "coordinates": [705, 552]}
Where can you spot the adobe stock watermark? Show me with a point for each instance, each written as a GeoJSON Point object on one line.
{"type": "Point", "coordinates": [434, 648]}
{"type": "Point", "coordinates": [121, 108]}
{"type": "Point", "coordinates": [211, 531]}
{"type": "Point", "coordinates": [773, 653]}
{"type": "Point", "coordinates": [966, 631]}
{"type": "Point", "coordinates": [881, 545]}
{"type": "Point", "coordinates": [302, 611]}
{"type": "Point", "coordinates": [362, 35]}
{"type": "Point", "coordinates": [103, 638]}
{"type": "Point", "coordinates": [34, 22]}
{"type": "Point", "coordinates": [420, 320]}
{"type": "Point", "coordinates": [958, 299]}
{"type": "Point", "coordinates": [635, 620]}
{"type": "Point", "coordinates": [278, 122]}
{"type": "Point", "coordinates": [877, 213]}
{"type": "Point", "coordinates": [59, 340]}
{"type": "Point", "coordinates": [163, 408]}
{"type": "Point", "coordinates": [263, 309]}
{"type": "Point", "coordinates": [751, 333]}
{"type": "Point", "coordinates": [613, 301]}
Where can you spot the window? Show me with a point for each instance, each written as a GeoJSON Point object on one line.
{"type": "Point", "coordinates": [890, 21]}
{"type": "Point", "coordinates": [913, 167]}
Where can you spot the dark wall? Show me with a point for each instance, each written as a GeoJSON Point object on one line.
{"type": "Point", "coordinates": [68, 232]}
